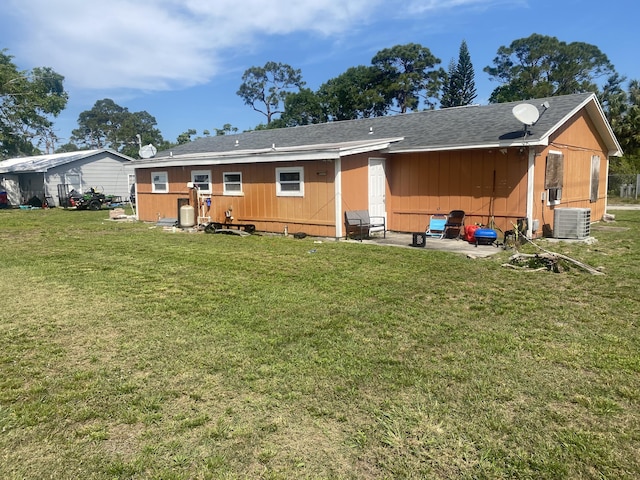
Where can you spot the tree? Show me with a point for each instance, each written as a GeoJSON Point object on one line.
{"type": "Point", "coordinates": [265, 88]}
{"type": "Point", "coordinates": [622, 108]}
{"type": "Point", "coordinates": [541, 66]}
{"type": "Point", "coordinates": [134, 124]}
{"type": "Point", "coordinates": [408, 75]}
{"type": "Point", "coordinates": [185, 137]}
{"type": "Point", "coordinates": [459, 88]}
{"type": "Point", "coordinates": [449, 87]}
{"type": "Point", "coordinates": [301, 108]}
{"type": "Point", "coordinates": [226, 129]}
{"type": "Point", "coordinates": [357, 93]}
{"type": "Point", "coordinates": [108, 125]}
{"type": "Point", "coordinates": [67, 147]}
{"type": "Point", "coordinates": [28, 103]}
{"type": "Point", "coordinates": [97, 127]}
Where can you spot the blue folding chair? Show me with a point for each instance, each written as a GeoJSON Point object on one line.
{"type": "Point", "coordinates": [436, 226]}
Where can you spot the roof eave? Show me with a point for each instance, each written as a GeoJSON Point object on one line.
{"type": "Point", "coordinates": [483, 146]}
{"type": "Point", "coordinates": [274, 154]}
{"type": "Point", "coordinates": [212, 159]}
{"type": "Point", "coordinates": [36, 164]}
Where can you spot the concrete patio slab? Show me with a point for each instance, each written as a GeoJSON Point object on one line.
{"type": "Point", "coordinates": [405, 240]}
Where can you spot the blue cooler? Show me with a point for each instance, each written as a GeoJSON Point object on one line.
{"type": "Point", "coordinates": [485, 236]}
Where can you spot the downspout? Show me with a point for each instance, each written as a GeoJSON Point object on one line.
{"type": "Point", "coordinates": [337, 185]}
{"type": "Point", "coordinates": [530, 190]}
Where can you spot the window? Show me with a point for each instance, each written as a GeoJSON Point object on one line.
{"type": "Point", "coordinates": [232, 183]}
{"type": "Point", "coordinates": [74, 181]}
{"type": "Point", "coordinates": [595, 178]}
{"type": "Point", "coordinates": [554, 195]}
{"type": "Point", "coordinates": [290, 182]}
{"type": "Point", "coordinates": [554, 173]}
{"type": "Point", "coordinates": [202, 180]}
{"type": "Point", "coordinates": [159, 182]}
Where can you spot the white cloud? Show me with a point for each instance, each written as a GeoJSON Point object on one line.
{"type": "Point", "coordinates": [421, 6]}
{"type": "Point", "coordinates": [164, 44]}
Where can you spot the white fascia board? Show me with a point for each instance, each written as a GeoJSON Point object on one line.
{"type": "Point", "coordinates": [369, 147]}
{"type": "Point", "coordinates": [594, 110]}
{"type": "Point", "coordinates": [484, 146]}
{"type": "Point", "coordinates": [285, 154]}
{"type": "Point", "coordinates": [617, 148]}
{"type": "Point", "coordinates": [213, 159]}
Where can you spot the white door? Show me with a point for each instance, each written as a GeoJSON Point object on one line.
{"type": "Point", "coordinates": [377, 189]}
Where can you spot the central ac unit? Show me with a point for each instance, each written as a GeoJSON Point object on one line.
{"type": "Point", "coordinates": [574, 223]}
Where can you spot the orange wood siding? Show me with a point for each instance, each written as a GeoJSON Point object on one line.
{"type": "Point", "coordinates": [355, 183]}
{"type": "Point", "coordinates": [423, 184]}
{"type": "Point", "coordinates": [313, 214]}
{"type": "Point", "coordinates": [486, 184]}
{"type": "Point", "coordinates": [578, 141]}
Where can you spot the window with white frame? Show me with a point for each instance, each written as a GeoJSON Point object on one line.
{"type": "Point", "coordinates": [202, 180]}
{"type": "Point", "coordinates": [159, 182]}
{"type": "Point", "coordinates": [290, 182]}
{"type": "Point", "coordinates": [232, 183]}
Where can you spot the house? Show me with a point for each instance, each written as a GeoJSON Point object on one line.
{"type": "Point", "coordinates": [49, 176]}
{"type": "Point", "coordinates": [500, 165]}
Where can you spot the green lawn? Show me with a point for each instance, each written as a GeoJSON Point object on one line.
{"type": "Point", "coordinates": [131, 352]}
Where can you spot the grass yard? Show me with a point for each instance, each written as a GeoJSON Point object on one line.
{"type": "Point", "coordinates": [131, 352]}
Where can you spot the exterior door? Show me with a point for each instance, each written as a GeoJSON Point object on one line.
{"type": "Point", "coordinates": [377, 188]}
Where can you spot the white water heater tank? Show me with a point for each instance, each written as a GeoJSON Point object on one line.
{"type": "Point", "coordinates": [187, 216]}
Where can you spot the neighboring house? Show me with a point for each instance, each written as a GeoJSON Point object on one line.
{"type": "Point", "coordinates": [47, 176]}
{"type": "Point", "coordinates": [479, 159]}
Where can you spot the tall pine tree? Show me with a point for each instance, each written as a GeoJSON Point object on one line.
{"type": "Point", "coordinates": [460, 87]}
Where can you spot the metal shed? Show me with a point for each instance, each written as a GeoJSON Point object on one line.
{"type": "Point", "coordinates": [40, 176]}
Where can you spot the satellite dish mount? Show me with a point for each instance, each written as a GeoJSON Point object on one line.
{"type": "Point", "coordinates": [526, 114]}
{"type": "Point", "coordinates": [148, 151]}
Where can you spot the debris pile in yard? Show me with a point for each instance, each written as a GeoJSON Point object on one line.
{"type": "Point", "coordinates": [118, 214]}
{"type": "Point", "coordinates": [554, 262]}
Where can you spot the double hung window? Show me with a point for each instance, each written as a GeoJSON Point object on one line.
{"type": "Point", "coordinates": [290, 182]}
{"type": "Point", "coordinates": [232, 183]}
{"type": "Point", "coordinates": [159, 182]}
{"type": "Point", "coordinates": [201, 180]}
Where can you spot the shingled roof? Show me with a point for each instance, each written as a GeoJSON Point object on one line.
{"type": "Point", "coordinates": [471, 127]}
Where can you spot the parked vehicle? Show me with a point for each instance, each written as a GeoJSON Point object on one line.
{"type": "Point", "coordinates": [92, 200]}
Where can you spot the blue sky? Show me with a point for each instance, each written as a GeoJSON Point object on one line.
{"type": "Point", "coordinates": [182, 60]}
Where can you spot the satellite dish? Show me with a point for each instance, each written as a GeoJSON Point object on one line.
{"type": "Point", "coordinates": [147, 151]}
{"type": "Point", "coordinates": [526, 113]}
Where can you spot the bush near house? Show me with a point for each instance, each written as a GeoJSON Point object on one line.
{"type": "Point", "coordinates": [131, 352]}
